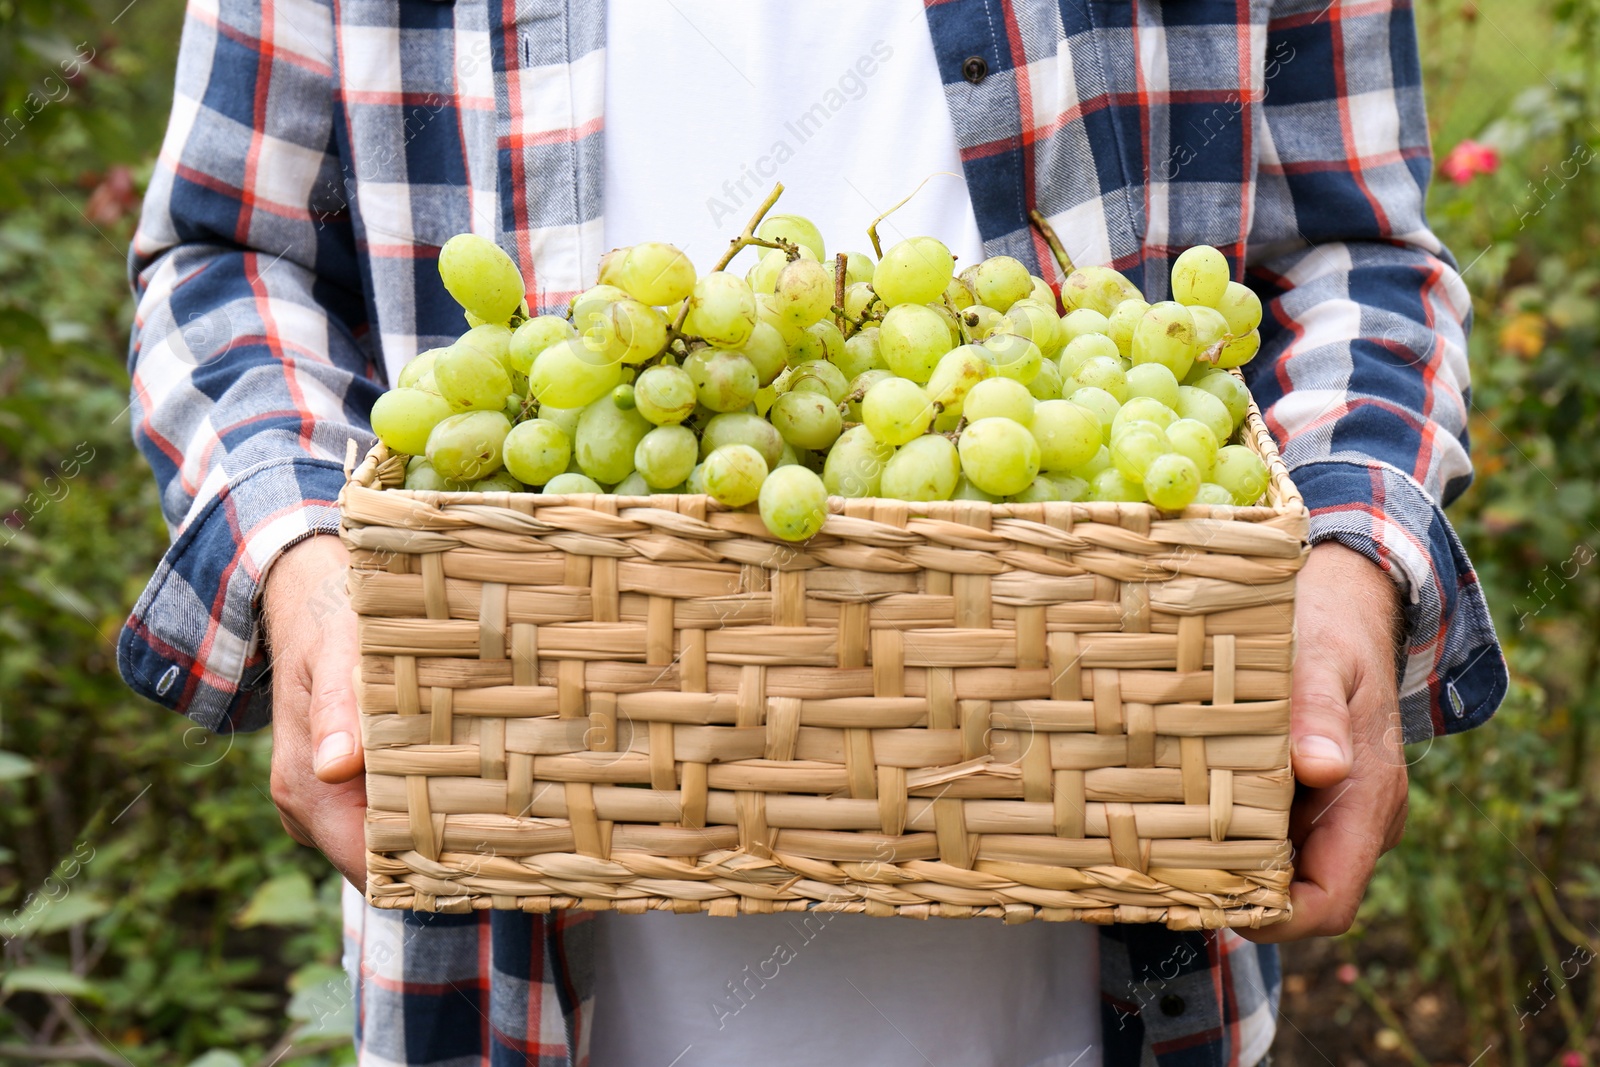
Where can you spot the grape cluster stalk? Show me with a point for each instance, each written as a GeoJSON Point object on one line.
{"type": "Point", "coordinates": [805, 378]}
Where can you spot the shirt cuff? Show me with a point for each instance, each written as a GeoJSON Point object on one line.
{"type": "Point", "coordinates": [1454, 674]}
{"type": "Point", "coordinates": [194, 642]}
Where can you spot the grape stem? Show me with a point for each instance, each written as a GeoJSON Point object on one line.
{"type": "Point", "coordinates": [961, 322]}
{"type": "Point", "coordinates": [1048, 232]}
{"type": "Point", "coordinates": [735, 246]}
{"type": "Point", "coordinates": [872, 228]}
{"type": "Point", "coordinates": [839, 264]}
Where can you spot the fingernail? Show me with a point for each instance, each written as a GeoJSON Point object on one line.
{"type": "Point", "coordinates": [1312, 746]}
{"type": "Point", "coordinates": [334, 746]}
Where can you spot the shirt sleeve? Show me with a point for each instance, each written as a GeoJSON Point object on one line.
{"type": "Point", "coordinates": [1362, 376]}
{"type": "Point", "coordinates": [249, 362]}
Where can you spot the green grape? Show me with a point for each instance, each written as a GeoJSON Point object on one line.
{"type": "Point", "coordinates": [733, 475]}
{"type": "Point", "coordinates": [896, 410]}
{"type": "Point", "coordinates": [1233, 393]}
{"type": "Point", "coordinates": [1200, 405]}
{"type": "Point", "coordinates": [1081, 321]}
{"type": "Point", "coordinates": [854, 465]}
{"type": "Point", "coordinates": [565, 418]}
{"type": "Point", "coordinates": [606, 439]}
{"type": "Point", "coordinates": [1143, 409]}
{"type": "Point", "coordinates": [1135, 445]}
{"type": "Point", "coordinates": [1083, 348]}
{"type": "Point", "coordinates": [804, 347]}
{"type": "Point", "coordinates": [1001, 281]}
{"type": "Point", "coordinates": [1194, 439]}
{"type": "Point", "coordinates": [588, 308]}
{"type": "Point", "coordinates": [1046, 385]}
{"type": "Point", "coordinates": [796, 229]}
{"type": "Point", "coordinates": [566, 375]}
{"type": "Point", "coordinates": [611, 266]}
{"type": "Point", "coordinates": [911, 340]}
{"type": "Point", "coordinates": [421, 475]}
{"type": "Point", "coordinates": [803, 292]}
{"type": "Point", "coordinates": [1200, 276]}
{"type": "Point", "coordinates": [831, 339]}
{"type": "Point", "coordinates": [858, 267]}
{"type": "Point", "coordinates": [818, 376]}
{"type": "Point", "coordinates": [1241, 472]}
{"type": "Point", "coordinates": [665, 456]}
{"type": "Point", "coordinates": [536, 335]}
{"type": "Point", "coordinates": [952, 328]}
{"type": "Point", "coordinates": [656, 273]}
{"type": "Point", "coordinates": [722, 310]}
{"type": "Point", "coordinates": [1241, 307]}
{"type": "Point", "coordinates": [1213, 494]}
{"type": "Point", "coordinates": [472, 320]}
{"type": "Point", "coordinates": [793, 503]}
{"type": "Point", "coordinates": [1014, 357]}
{"type": "Point", "coordinates": [696, 482]}
{"type": "Point", "coordinates": [1165, 334]}
{"type": "Point", "coordinates": [860, 302]}
{"type": "Point", "coordinates": [492, 340]}
{"type": "Point", "coordinates": [788, 457]}
{"type": "Point", "coordinates": [1101, 403]}
{"type": "Point", "coordinates": [1240, 350]}
{"type": "Point", "coordinates": [1101, 372]}
{"type": "Point", "coordinates": [957, 372]}
{"type": "Point", "coordinates": [960, 294]}
{"type": "Point", "coordinates": [767, 352]}
{"type": "Point", "coordinates": [1045, 296]}
{"type": "Point", "coordinates": [861, 353]}
{"type": "Point", "coordinates": [998, 455]}
{"type": "Point", "coordinates": [466, 447]}
{"type": "Point", "coordinates": [471, 379]}
{"type": "Point", "coordinates": [571, 482]}
{"type": "Point", "coordinates": [965, 490]}
{"type": "Point", "coordinates": [481, 277]}
{"type": "Point", "coordinates": [623, 397]}
{"type": "Point", "coordinates": [1070, 487]}
{"type": "Point", "coordinates": [635, 485]}
{"type": "Point", "coordinates": [1209, 328]}
{"type": "Point", "coordinates": [1039, 491]}
{"type": "Point", "coordinates": [723, 381]}
{"type": "Point", "coordinates": [1068, 435]}
{"type": "Point", "coordinates": [858, 388]}
{"type": "Point", "coordinates": [1171, 481]}
{"type": "Point", "coordinates": [498, 482]}
{"type": "Point", "coordinates": [1112, 485]}
{"type": "Point", "coordinates": [536, 451]}
{"type": "Point", "coordinates": [981, 321]}
{"type": "Point", "coordinates": [403, 418]}
{"type": "Point", "coordinates": [913, 272]}
{"type": "Point", "coordinates": [629, 331]}
{"type": "Point", "coordinates": [742, 428]}
{"type": "Point", "coordinates": [1123, 318]}
{"type": "Point", "coordinates": [999, 398]}
{"type": "Point", "coordinates": [1099, 288]}
{"type": "Point", "coordinates": [764, 275]}
{"type": "Point", "coordinates": [419, 365]}
{"type": "Point", "coordinates": [1101, 461]}
{"type": "Point", "coordinates": [513, 408]}
{"type": "Point", "coordinates": [765, 312]}
{"type": "Point", "coordinates": [924, 468]}
{"type": "Point", "coordinates": [1153, 380]}
{"type": "Point", "coordinates": [1038, 324]}
{"type": "Point", "coordinates": [806, 419]}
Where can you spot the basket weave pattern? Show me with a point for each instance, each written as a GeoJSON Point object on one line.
{"type": "Point", "coordinates": [1058, 711]}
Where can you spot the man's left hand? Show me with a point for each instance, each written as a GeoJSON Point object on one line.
{"type": "Point", "coordinates": [1344, 726]}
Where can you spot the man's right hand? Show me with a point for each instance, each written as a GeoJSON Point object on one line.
{"type": "Point", "coordinates": [318, 777]}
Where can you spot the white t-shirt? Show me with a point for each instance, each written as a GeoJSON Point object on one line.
{"type": "Point", "coordinates": [841, 102]}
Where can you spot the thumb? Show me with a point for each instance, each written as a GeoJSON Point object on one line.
{"type": "Point", "coordinates": [1321, 742]}
{"type": "Point", "coordinates": [335, 722]}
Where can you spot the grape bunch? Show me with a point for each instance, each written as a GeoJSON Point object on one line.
{"type": "Point", "coordinates": [806, 378]}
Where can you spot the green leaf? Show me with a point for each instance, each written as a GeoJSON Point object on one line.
{"type": "Point", "coordinates": [47, 981]}
{"type": "Point", "coordinates": [61, 914]}
{"type": "Point", "coordinates": [217, 1058]}
{"type": "Point", "coordinates": [13, 766]}
{"type": "Point", "coordinates": [287, 900]}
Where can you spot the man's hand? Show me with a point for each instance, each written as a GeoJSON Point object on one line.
{"type": "Point", "coordinates": [1350, 807]}
{"type": "Point", "coordinates": [317, 769]}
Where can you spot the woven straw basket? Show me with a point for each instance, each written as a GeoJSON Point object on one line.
{"type": "Point", "coordinates": [1057, 711]}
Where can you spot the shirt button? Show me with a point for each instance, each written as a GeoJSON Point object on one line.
{"type": "Point", "coordinates": [1172, 1004]}
{"type": "Point", "coordinates": [975, 69]}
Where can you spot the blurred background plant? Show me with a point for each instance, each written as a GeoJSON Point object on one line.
{"type": "Point", "coordinates": [153, 912]}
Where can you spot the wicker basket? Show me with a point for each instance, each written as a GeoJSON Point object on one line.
{"type": "Point", "coordinates": [1061, 711]}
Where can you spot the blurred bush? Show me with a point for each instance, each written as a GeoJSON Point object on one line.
{"type": "Point", "coordinates": [153, 912]}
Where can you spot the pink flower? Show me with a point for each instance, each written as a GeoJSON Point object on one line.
{"type": "Point", "coordinates": [1469, 159]}
{"type": "Point", "coordinates": [1347, 973]}
{"type": "Point", "coordinates": [1572, 1059]}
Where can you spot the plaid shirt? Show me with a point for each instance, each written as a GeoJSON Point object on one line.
{"type": "Point", "coordinates": [319, 153]}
